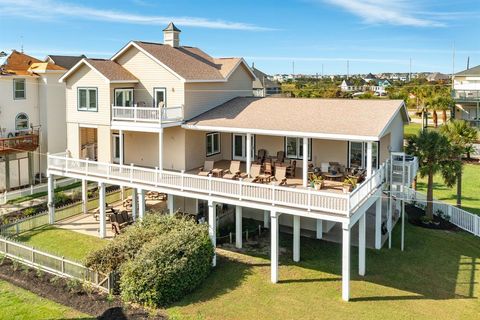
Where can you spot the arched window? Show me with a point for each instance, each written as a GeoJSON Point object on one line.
{"type": "Point", "coordinates": [21, 122]}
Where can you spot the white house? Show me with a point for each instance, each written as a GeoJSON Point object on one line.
{"type": "Point", "coordinates": [154, 113]}
{"type": "Point", "coordinates": [466, 93]}
{"type": "Point", "coordinates": [32, 109]}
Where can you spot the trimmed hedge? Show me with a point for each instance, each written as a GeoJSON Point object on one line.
{"type": "Point", "coordinates": [160, 259]}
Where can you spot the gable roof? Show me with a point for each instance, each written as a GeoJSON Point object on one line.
{"type": "Point", "coordinates": [262, 80]}
{"type": "Point", "coordinates": [66, 62]}
{"type": "Point", "coordinates": [188, 63]}
{"type": "Point", "coordinates": [109, 70]}
{"type": "Point", "coordinates": [475, 71]}
{"type": "Point", "coordinates": [19, 63]}
{"type": "Point", "coordinates": [340, 119]}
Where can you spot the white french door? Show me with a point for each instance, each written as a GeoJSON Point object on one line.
{"type": "Point", "coordinates": [239, 147]}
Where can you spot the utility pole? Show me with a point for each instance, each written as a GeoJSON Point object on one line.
{"type": "Point", "coordinates": [322, 70]}
{"type": "Point", "coordinates": [293, 69]}
{"type": "Point", "coordinates": [453, 61]}
{"type": "Point", "coordinates": [410, 72]}
{"type": "Point", "coordinates": [348, 69]}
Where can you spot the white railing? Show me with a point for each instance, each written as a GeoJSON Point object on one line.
{"type": "Point", "coordinates": [297, 198]}
{"type": "Point", "coordinates": [463, 219]}
{"type": "Point", "coordinates": [53, 264]}
{"type": "Point", "coordinates": [140, 114]}
{"type": "Point", "coordinates": [367, 188]}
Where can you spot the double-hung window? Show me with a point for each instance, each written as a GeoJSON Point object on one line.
{"type": "Point", "coordinates": [213, 143]}
{"type": "Point", "coordinates": [87, 99]}
{"type": "Point", "coordinates": [294, 148]}
{"type": "Point", "coordinates": [123, 97]}
{"type": "Point", "coordinates": [19, 89]}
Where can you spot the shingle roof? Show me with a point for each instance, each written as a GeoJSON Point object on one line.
{"type": "Point", "coordinates": [111, 70]}
{"type": "Point", "coordinates": [172, 27]}
{"type": "Point", "coordinates": [66, 61]}
{"type": "Point", "coordinates": [19, 63]}
{"type": "Point", "coordinates": [262, 80]}
{"type": "Point", "coordinates": [189, 62]}
{"type": "Point", "coordinates": [475, 71]}
{"type": "Point", "coordinates": [317, 116]}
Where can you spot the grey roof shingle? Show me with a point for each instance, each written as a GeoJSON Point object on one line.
{"type": "Point", "coordinates": [318, 116]}
{"type": "Point", "coordinates": [475, 71]}
{"type": "Point", "coordinates": [66, 61]}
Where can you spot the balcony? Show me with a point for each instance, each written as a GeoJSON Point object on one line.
{"type": "Point", "coordinates": [21, 143]}
{"type": "Point", "coordinates": [191, 185]}
{"type": "Point", "coordinates": [466, 95]}
{"type": "Point", "coordinates": [147, 115]}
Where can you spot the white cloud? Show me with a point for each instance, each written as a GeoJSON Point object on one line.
{"type": "Point", "coordinates": [50, 10]}
{"type": "Point", "coordinates": [395, 12]}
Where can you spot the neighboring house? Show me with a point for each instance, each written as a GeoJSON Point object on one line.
{"type": "Point", "coordinates": [378, 86]}
{"type": "Point", "coordinates": [64, 61]}
{"type": "Point", "coordinates": [437, 76]}
{"type": "Point", "coordinates": [348, 85]}
{"type": "Point", "coordinates": [369, 77]}
{"type": "Point", "coordinates": [466, 93]}
{"type": "Point", "coordinates": [32, 108]}
{"type": "Point", "coordinates": [263, 86]}
{"type": "Point", "coordinates": [154, 113]}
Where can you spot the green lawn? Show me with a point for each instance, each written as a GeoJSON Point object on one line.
{"type": "Point", "coordinates": [411, 129]}
{"type": "Point", "coordinates": [470, 189]}
{"type": "Point", "coordinates": [17, 303]}
{"type": "Point", "coordinates": [70, 244]}
{"type": "Point", "coordinates": [436, 277]}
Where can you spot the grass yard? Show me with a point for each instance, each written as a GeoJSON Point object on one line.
{"type": "Point", "coordinates": [436, 277]}
{"type": "Point", "coordinates": [470, 189]}
{"type": "Point", "coordinates": [70, 244]}
{"type": "Point", "coordinates": [17, 303]}
{"type": "Point", "coordinates": [411, 129]}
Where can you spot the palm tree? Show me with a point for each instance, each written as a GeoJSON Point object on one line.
{"type": "Point", "coordinates": [436, 155]}
{"type": "Point", "coordinates": [462, 136]}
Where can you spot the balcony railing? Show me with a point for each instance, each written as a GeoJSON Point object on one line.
{"type": "Point", "coordinates": [295, 198]}
{"type": "Point", "coordinates": [22, 143]}
{"type": "Point", "coordinates": [466, 95]}
{"type": "Point", "coordinates": [152, 115]}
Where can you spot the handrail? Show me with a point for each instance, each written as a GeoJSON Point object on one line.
{"type": "Point", "coordinates": [28, 139]}
{"type": "Point", "coordinates": [147, 114]}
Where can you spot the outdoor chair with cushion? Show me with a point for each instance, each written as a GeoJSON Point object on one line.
{"type": "Point", "coordinates": [268, 168]}
{"type": "Point", "coordinates": [233, 172]}
{"type": "Point", "coordinates": [206, 169]}
{"type": "Point", "coordinates": [261, 156]}
{"type": "Point", "coordinates": [254, 173]}
{"type": "Point", "coordinates": [291, 168]}
{"type": "Point", "coordinates": [280, 177]}
{"type": "Point", "coordinates": [280, 156]}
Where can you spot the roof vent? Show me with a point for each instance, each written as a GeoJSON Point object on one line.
{"type": "Point", "coordinates": [171, 35]}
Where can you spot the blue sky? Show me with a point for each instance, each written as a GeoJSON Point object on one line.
{"type": "Point", "coordinates": [375, 36]}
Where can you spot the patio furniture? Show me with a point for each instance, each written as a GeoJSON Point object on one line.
{"type": "Point", "coordinates": [119, 221]}
{"type": "Point", "coordinates": [280, 156]}
{"type": "Point", "coordinates": [233, 172]}
{"type": "Point", "coordinates": [217, 172]}
{"type": "Point", "coordinates": [291, 168]}
{"type": "Point", "coordinates": [268, 168]}
{"type": "Point", "coordinates": [155, 195]}
{"type": "Point", "coordinates": [206, 169]}
{"type": "Point", "coordinates": [333, 177]}
{"type": "Point", "coordinates": [254, 173]}
{"type": "Point", "coordinates": [280, 177]}
{"type": "Point", "coordinates": [261, 156]}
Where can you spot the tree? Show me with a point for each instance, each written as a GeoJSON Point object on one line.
{"type": "Point", "coordinates": [462, 136]}
{"type": "Point", "coordinates": [436, 155]}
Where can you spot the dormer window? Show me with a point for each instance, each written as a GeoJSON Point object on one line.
{"type": "Point", "coordinates": [19, 89]}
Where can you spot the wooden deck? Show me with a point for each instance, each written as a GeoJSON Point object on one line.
{"type": "Point", "coordinates": [23, 143]}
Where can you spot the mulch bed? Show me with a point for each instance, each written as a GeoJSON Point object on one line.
{"type": "Point", "coordinates": [56, 289]}
{"type": "Point", "coordinates": [415, 215]}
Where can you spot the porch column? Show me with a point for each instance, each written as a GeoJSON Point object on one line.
{"type": "Point", "coordinates": [369, 159]}
{"type": "Point", "coordinates": [296, 238]}
{"type": "Point", "coordinates": [170, 201]}
{"type": "Point", "coordinates": [212, 228]}
{"type": "Point", "coordinates": [120, 136]}
{"type": "Point", "coordinates": [7, 172]}
{"type": "Point", "coordinates": [51, 199]}
{"type": "Point", "coordinates": [238, 227]}
{"type": "Point", "coordinates": [319, 229]}
{"type": "Point", "coordinates": [361, 244]}
{"type": "Point", "coordinates": [402, 247]}
{"type": "Point", "coordinates": [160, 149]}
{"type": "Point", "coordinates": [346, 263]}
{"type": "Point", "coordinates": [305, 162]}
{"type": "Point", "coordinates": [266, 219]}
{"type": "Point", "coordinates": [274, 246]}
{"type": "Point", "coordinates": [84, 196]}
{"type": "Point", "coordinates": [249, 152]}
{"type": "Point", "coordinates": [31, 178]}
{"type": "Point", "coordinates": [101, 204]}
{"type": "Point", "coordinates": [389, 221]}
{"type": "Point", "coordinates": [141, 204]}
{"type": "Point", "coordinates": [134, 203]}
{"type": "Point", "coordinates": [378, 223]}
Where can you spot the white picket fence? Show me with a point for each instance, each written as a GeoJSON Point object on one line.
{"type": "Point", "coordinates": [463, 219]}
{"type": "Point", "coordinates": [55, 265]}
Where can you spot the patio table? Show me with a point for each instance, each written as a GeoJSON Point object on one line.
{"type": "Point", "coordinates": [333, 177]}
{"type": "Point", "coordinates": [217, 172]}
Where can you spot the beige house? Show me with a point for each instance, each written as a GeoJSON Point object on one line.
{"type": "Point", "coordinates": [466, 93]}
{"type": "Point", "coordinates": [154, 113]}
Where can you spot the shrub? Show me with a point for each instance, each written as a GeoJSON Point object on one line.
{"type": "Point", "coordinates": [29, 212]}
{"type": "Point", "coordinates": [169, 267]}
{"type": "Point", "coordinates": [61, 198]}
{"type": "Point", "coordinates": [160, 259]}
